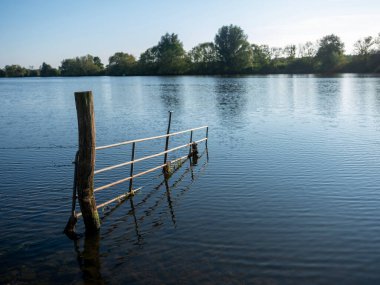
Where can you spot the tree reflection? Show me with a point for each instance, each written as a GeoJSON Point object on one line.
{"type": "Point", "coordinates": [170, 94]}
{"type": "Point", "coordinates": [328, 96]}
{"type": "Point", "coordinates": [231, 98]}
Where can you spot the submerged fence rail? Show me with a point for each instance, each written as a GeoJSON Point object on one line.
{"type": "Point", "coordinates": [84, 173]}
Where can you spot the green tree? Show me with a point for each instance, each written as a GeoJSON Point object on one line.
{"type": "Point", "coordinates": [121, 64]}
{"type": "Point", "coordinates": [31, 72]}
{"type": "Point", "coordinates": [290, 52]}
{"type": "Point", "coordinates": [261, 58]}
{"type": "Point", "coordinates": [305, 62]}
{"type": "Point", "coordinates": [2, 73]}
{"type": "Point", "coordinates": [307, 50]}
{"type": "Point", "coordinates": [365, 58]}
{"type": "Point", "coordinates": [15, 71]}
{"type": "Point", "coordinates": [171, 57]}
{"type": "Point", "coordinates": [148, 62]}
{"type": "Point", "coordinates": [204, 58]}
{"type": "Point", "coordinates": [98, 63]}
{"type": "Point", "coordinates": [46, 70]}
{"type": "Point", "coordinates": [330, 53]}
{"type": "Point", "coordinates": [234, 51]}
{"type": "Point", "coordinates": [364, 47]}
{"type": "Point", "coordinates": [166, 58]}
{"type": "Point", "coordinates": [81, 66]}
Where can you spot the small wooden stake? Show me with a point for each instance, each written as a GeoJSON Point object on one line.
{"type": "Point", "coordinates": [166, 168]}
{"type": "Point", "coordinates": [191, 140]}
{"type": "Point", "coordinates": [206, 136]}
{"type": "Point", "coordinates": [86, 160]}
{"type": "Point", "coordinates": [132, 166]}
{"type": "Point", "coordinates": [70, 227]}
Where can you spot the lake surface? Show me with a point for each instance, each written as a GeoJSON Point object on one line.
{"type": "Point", "coordinates": [288, 192]}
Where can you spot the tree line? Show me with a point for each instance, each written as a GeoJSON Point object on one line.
{"type": "Point", "coordinates": [229, 54]}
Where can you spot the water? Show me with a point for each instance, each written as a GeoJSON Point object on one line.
{"type": "Point", "coordinates": [289, 193]}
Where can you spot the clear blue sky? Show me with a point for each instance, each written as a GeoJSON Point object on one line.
{"type": "Point", "coordinates": [33, 31]}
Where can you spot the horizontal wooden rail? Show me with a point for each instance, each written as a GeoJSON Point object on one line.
{"type": "Point", "coordinates": [147, 139]}
{"type": "Point", "coordinates": [145, 157]}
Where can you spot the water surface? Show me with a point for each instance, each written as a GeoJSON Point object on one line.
{"type": "Point", "coordinates": [289, 193]}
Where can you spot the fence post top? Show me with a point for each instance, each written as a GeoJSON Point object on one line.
{"type": "Point", "coordinates": [82, 92]}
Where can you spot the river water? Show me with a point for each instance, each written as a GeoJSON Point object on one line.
{"type": "Point", "coordinates": [287, 193]}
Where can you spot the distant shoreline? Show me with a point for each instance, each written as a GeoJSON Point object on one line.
{"type": "Point", "coordinates": [336, 74]}
{"type": "Point", "coordinates": [229, 54]}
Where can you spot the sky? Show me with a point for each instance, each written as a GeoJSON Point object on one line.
{"type": "Point", "coordinates": [36, 31]}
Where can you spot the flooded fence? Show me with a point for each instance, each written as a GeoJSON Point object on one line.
{"type": "Point", "coordinates": [83, 186]}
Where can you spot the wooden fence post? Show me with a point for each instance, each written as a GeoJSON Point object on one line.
{"type": "Point", "coordinates": [86, 160]}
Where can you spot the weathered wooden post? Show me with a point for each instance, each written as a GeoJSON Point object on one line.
{"type": "Point", "coordinates": [194, 152]}
{"type": "Point", "coordinates": [86, 160]}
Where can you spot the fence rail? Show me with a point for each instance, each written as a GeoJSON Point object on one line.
{"type": "Point", "coordinates": [146, 157]}
{"type": "Point", "coordinates": [148, 139]}
{"type": "Point", "coordinates": [132, 162]}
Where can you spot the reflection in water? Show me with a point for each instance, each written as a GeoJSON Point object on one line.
{"type": "Point", "coordinates": [170, 94]}
{"type": "Point", "coordinates": [377, 98]}
{"type": "Point", "coordinates": [89, 259]}
{"type": "Point", "coordinates": [328, 96]}
{"type": "Point", "coordinates": [231, 97]}
{"type": "Point", "coordinates": [170, 202]}
{"type": "Point", "coordinates": [321, 172]}
{"type": "Point", "coordinates": [137, 230]}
